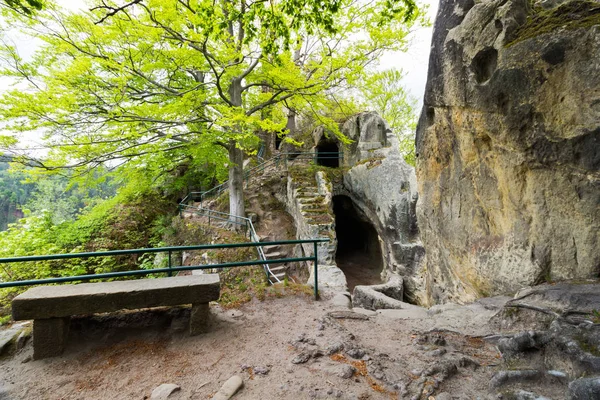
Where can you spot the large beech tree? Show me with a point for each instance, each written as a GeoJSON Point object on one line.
{"type": "Point", "coordinates": [165, 82]}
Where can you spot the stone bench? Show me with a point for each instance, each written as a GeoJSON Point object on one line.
{"type": "Point", "coordinates": [50, 307]}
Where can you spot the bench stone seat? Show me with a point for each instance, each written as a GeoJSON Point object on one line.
{"type": "Point", "coordinates": [51, 306]}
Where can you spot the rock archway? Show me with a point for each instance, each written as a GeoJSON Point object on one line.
{"type": "Point", "coordinates": [358, 252]}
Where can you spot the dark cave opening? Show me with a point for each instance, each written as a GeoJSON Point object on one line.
{"type": "Point", "coordinates": [358, 251]}
{"type": "Point", "coordinates": [328, 154]}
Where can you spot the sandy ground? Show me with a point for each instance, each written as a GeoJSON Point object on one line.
{"type": "Point", "coordinates": [126, 355]}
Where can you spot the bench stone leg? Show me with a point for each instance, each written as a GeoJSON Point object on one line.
{"type": "Point", "coordinates": [49, 337]}
{"type": "Point", "coordinates": [199, 319]}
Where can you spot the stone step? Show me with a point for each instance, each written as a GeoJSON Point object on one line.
{"type": "Point", "coordinates": [280, 276]}
{"type": "Point", "coordinates": [271, 248]}
{"type": "Point", "coordinates": [274, 255]}
{"type": "Point", "coordinates": [307, 194]}
{"type": "Point", "coordinates": [276, 270]}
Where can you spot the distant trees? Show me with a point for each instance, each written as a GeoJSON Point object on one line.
{"type": "Point", "coordinates": [162, 85]}
{"type": "Point", "coordinates": [13, 194]}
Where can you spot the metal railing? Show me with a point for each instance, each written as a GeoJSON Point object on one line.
{"type": "Point", "coordinates": [277, 160]}
{"type": "Point", "coordinates": [170, 269]}
{"type": "Point", "coordinates": [249, 230]}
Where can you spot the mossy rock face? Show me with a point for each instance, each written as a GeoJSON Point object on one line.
{"type": "Point", "coordinates": [571, 15]}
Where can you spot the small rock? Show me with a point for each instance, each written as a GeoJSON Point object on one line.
{"type": "Point", "coordinates": [229, 388]}
{"type": "Point", "coordinates": [301, 358]}
{"type": "Point", "coordinates": [320, 327]}
{"type": "Point", "coordinates": [584, 388]}
{"type": "Point", "coordinates": [163, 391]}
{"type": "Point", "coordinates": [436, 352]}
{"type": "Point", "coordinates": [443, 396]}
{"type": "Point", "coordinates": [356, 353]}
{"type": "Point", "coordinates": [524, 395]}
{"type": "Point", "coordinates": [368, 313]}
{"type": "Point", "coordinates": [347, 315]}
{"type": "Point", "coordinates": [235, 313]}
{"type": "Point", "coordinates": [261, 370]}
{"type": "Point", "coordinates": [508, 377]}
{"type": "Point", "coordinates": [334, 348]}
{"type": "Point", "coordinates": [346, 371]}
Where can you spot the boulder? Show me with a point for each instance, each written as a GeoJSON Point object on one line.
{"type": "Point", "coordinates": [374, 297]}
{"type": "Point", "coordinates": [508, 147]}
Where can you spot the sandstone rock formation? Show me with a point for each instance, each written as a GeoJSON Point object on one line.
{"type": "Point", "coordinates": [508, 147]}
{"type": "Point", "coordinates": [373, 179]}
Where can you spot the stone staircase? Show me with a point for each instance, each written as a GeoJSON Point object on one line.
{"type": "Point", "coordinates": [274, 252]}
{"type": "Point", "coordinates": [309, 202]}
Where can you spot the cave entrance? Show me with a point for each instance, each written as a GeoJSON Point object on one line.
{"type": "Point", "coordinates": [328, 154]}
{"type": "Point", "coordinates": [358, 251]}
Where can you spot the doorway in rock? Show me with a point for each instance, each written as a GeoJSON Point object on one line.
{"type": "Point", "coordinates": [358, 251]}
{"type": "Point", "coordinates": [328, 154]}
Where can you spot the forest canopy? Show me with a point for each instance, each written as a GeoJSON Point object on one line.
{"type": "Point", "coordinates": [172, 87]}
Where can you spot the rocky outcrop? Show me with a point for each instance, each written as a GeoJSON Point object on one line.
{"type": "Point", "coordinates": [372, 175]}
{"type": "Point", "coordinates": [508, 147]}
{"type": "Point", "coordinates": [383, 186]}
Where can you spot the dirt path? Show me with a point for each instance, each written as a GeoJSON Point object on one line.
{"type": "Point", "coordinates": [125, 356]}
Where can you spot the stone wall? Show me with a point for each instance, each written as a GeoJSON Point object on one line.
{"type": "Point", "coordinates": [508, 147]}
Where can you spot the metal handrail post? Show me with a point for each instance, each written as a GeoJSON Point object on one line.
{"type": "Point", "coordinates": [170, 265]}
{"type": "Point", "coordinates": [316, 267]}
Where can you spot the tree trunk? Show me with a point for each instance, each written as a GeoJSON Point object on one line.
{"type": "Point", "coordinates": [291, 122]}
{"type": "Point", "coordinates": [236, 161]}
{"type": "Point", "coordinates": [236, 181]}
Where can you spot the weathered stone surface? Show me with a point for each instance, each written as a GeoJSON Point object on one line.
{"type": "Point", "coordinates": [329, 277]}
{"type": "Point", "coordinates": [88, 298]}
{"type": "Point", "coordinates": [341, 301]}
{"type": "Point", "coordinates": [374, 297]}
{"type": "Point", "coordinates": [562, 296]}
{"type": "Point", "coordinates": [382, 190]}
{"type": "Point", "coordinates": [199, 319]}
{"type": "Point", "coordinates": [229, 388]}
{"type": "Point", "coordinates": [383, 187]}
{"type": "Point", "coordinates": [49, 337]}
{"type": "Point", "coordinates": [584, 388]}
{"type": "Point", "coordinates": [508, 149]}
{"type": "Point", "coordinates": [163, 391]}
{"type": "Point", "coordinates": [11, 336]}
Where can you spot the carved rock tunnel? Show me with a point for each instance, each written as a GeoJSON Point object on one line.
{"type": "Point", "coordinates": [327, 154]}
{"type": "Point", "coordinates": [358, 250]}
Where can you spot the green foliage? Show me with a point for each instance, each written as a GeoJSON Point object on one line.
{"type": "Point", "coordinates": [169, 85]}
{"type": "Point", "coordinates": [13, 194]}
{"type": "Point", "coordinates": [131, 219]}
{"type": "Point", "coordinates": [27, 7]}
{"type": "Point", "coordinates": [383, 92]}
